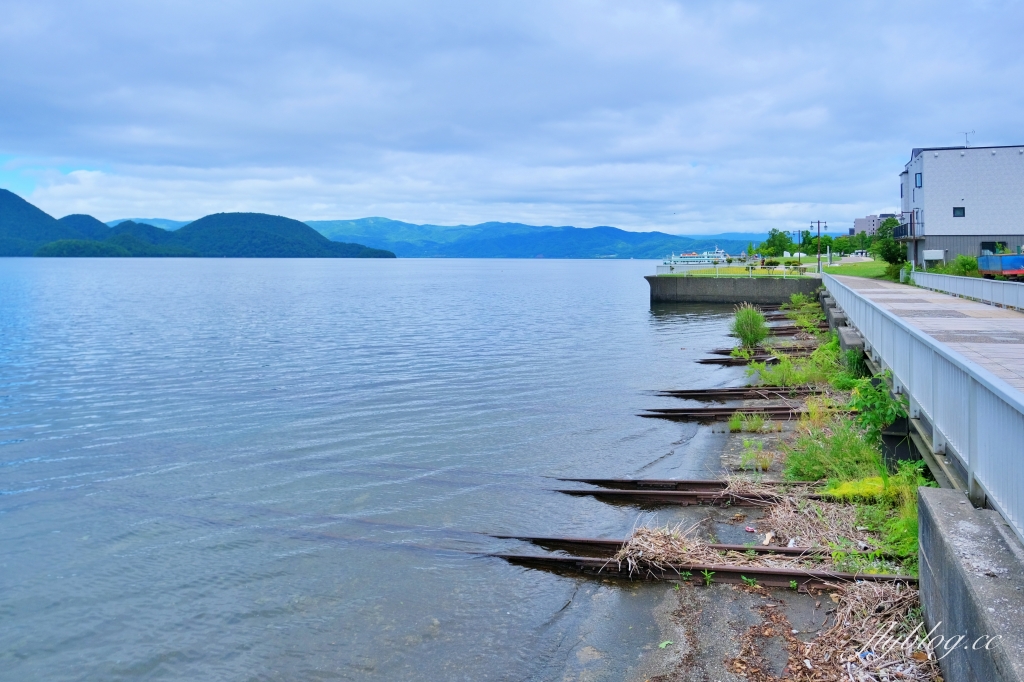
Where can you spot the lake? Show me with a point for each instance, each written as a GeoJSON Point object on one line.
{"type": "Point", "coordinates": [218, 469]}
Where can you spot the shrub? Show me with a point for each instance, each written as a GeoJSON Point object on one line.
{"type": "Point", "coordinates": [962, 266]}
{"type": "Point", "coordinates": [749, 325]}
{"type": "Point", "coordinates": [771, 263]}
{"type": "Point", "coordinates": [876, 407]}
{"type": "Point", "coordinates": [892, 271]}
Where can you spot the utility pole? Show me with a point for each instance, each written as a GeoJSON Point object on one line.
{"type": "Point", "coordinates": [819, 223]}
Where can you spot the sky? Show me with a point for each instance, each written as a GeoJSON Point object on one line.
{"type": "Point", "coordinates": [684, 117]}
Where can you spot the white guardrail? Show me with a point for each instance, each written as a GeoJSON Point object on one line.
{"type": "Point", "coordinates": [1008, 294]}
{"type": "Point", "coordinates": [976, 417]}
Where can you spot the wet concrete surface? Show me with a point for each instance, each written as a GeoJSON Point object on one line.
{"type": "Point", "coordinates": [717, 632]}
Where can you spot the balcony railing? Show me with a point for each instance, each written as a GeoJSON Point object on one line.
{"type": "Point", "coordinates": [908, 232]}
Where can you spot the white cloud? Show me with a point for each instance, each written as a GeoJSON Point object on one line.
{"type": "Point", "coordinates": [686, 117]}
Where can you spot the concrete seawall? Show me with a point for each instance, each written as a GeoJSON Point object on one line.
{"type": "Point", "coordinates": [764, 290]}
{"type": "Point", "coordinates": [971, 581]}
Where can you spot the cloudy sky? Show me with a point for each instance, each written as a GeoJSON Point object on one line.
{"type": "Point", "coordinates": [688, 117]}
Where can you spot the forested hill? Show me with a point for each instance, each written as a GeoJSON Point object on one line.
{"type": "Point", "coordinates": [515, 240]}
{"type": "Point", "coordinates": [25, 230]}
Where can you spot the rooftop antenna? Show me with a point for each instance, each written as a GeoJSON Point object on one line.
{"type": "Point", "coordinates": [965, 134]}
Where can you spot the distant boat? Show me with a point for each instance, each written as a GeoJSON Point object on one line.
{"type": "Point", "coordinates": [688, 261]}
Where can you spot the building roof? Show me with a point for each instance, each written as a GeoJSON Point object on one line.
{"type": "Point", "coordinates": [918, 150]}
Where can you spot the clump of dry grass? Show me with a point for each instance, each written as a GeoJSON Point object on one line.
{"type": "Point", "coordinates": [757, 488]}
{"type": "Point", "coordinates": [671, 546]}
{"type": "Point", "coordinates": [878, 635]}
{"type": "Point", "coordinates": [814, 523]}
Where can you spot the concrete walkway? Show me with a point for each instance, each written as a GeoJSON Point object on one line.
{"type": "Point", "coordinates": [989, 336]}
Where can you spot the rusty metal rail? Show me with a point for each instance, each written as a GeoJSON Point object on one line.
{"type": "Point", "coordinates": [683, 498]}
{"type": "Point", "coordinates": [715, 573]}
{"type": "Point", "coordinates": [650, 483]}
{"type": "Point", "coordinates": [742, 393]}
{"type": "Point", "coordinates": [794, 351]}
{"type": "Point", "coordinates": [607, 548]}
{"type": "Point", "coordinates": [710, 414]}
{"type": "Point", "coordinates": [766, 358]}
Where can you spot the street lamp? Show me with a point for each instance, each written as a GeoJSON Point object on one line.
{"type": "Point", "coordinates": [819, 223]}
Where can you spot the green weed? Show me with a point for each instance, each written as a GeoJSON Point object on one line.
{"type": "Point", "coordinates": [838, 451]}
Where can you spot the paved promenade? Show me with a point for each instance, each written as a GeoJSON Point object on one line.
{"type": "Point", "coordinates": [987, 335]}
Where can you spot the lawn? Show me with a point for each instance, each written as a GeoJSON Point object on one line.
{"type": "Point", "coordinates": [873, 269]}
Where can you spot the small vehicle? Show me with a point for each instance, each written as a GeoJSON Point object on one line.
{"type": "Point", "coordinates": [1008, 265]}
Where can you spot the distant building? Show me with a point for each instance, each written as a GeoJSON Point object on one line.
{"type": "Point", "coordinates": [962, 200]}
{"type": "Point", "coordinates": [869, 224]}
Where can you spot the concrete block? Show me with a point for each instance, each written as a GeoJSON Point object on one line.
{"type": "Point", "coordinates": [972, 586]}
{"type": "Point", "coordinates": [849, 339]}
{"type": "Point", "coordinates": [835, 317]}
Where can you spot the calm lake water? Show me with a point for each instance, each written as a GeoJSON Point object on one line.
{"type": "Point", "coordinates": [285, 469]}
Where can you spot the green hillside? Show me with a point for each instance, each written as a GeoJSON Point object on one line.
{"type": "Point", "coordinates": [86, 225]}
{"type": "Point", "coordinates": [24, 228]}
{"type": "Point", "coordinates": [258, 235]}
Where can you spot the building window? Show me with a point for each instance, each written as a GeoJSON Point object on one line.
{"type": "Point", "coordinates": [959, 212]}
{"type": "Point", "coordinates": [901, 190]}
{"type": "Point", "coordinates": [917, 179]}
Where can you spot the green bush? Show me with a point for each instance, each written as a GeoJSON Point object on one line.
{"type": "Point", "coordinates": [875, 406]}
{"type": "Point", "coordinates": [892, 271]}
{"type": "Point", "coordinates": [749, 325]}
{"type": "Point", "coordinates": [961, 266]}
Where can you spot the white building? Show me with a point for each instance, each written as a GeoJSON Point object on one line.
{"type": "Point", "coordinates": [962, 200]}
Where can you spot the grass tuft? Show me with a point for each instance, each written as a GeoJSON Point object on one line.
{"type": "Point", "coordinates": [749, 325]}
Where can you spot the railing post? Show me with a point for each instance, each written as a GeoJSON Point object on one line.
{"type": "Point", "coordinates": [938, 440]}
{"type": "Point", "coordinates": [974, 491]}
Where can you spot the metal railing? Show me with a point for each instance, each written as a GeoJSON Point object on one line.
{"type": "Point", "coordinates": [904, 231]}
{"type": "Point", "coordinates": [976, 417]}
{"type": "Point", "coordinates": [1006, 294]}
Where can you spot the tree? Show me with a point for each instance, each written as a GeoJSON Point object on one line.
{"type": "Point", "coordinates": [777, 243]}
{"type": "Point", "coordinates": [843, 245]}
{"type": "Point", "coordinates": [885, 247]}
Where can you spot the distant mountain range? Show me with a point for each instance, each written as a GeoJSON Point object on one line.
{"type": "Point", "coordinates": [515, 240]}
{"type": "Point", "coordinates": [25, 231]}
